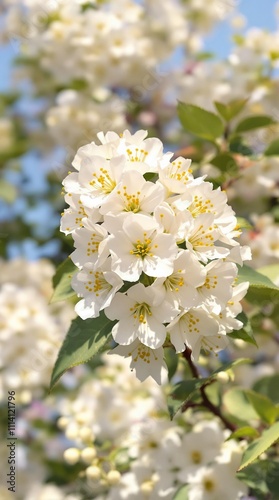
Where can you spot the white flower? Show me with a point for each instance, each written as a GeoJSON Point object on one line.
{"type": "Point", "coordinates": [97, 286]}
{"type": "Point", "coordinates": [181, 287]}
{"type": "Point", "coordinates": [74, 216]}
{"type": "Point", "coordinates": [133, 194]}
{"type": "Point", "coordinates": [146, 362]}
{"type": "Point", "coordinates": [176, 176]}
{"type": "Point", "coordinates": [198, 448]}
{"type": "Point", "coordinates": [190, 328]}
{"type": "Point", "coordinates": [141, 315]}
{"type": "Point", "coordinates": [87, 242]}
{"type": "Point", "coordinates": [217, 287]}
{"type": "Point", "coordinates": [201, 234]}
{"type": "Point", "coordinates": [140, 247]}
{"type": "Point", "coordinates": [99, 177]}
{"type": "Point", "coordinates": [215, 483]}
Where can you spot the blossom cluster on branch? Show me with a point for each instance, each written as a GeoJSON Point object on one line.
{"type": "Point", "coordinates": [158, 255]}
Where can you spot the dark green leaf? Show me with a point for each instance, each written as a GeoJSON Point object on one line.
{"type": "Point", "coordinates": [226, 163]}
{"type": "Point", "coordinates": [238, 146]}
{"type": "Point", "coordinates": [272, 149]}
{"type": "Point", "coordinates": [272, 478]}
{"type": "Point", "coordinates": [268, 386]}
{"type": "Point", "coordinates": [200, 122]}
{"type": "Point", "coordinates": [182, 393]}
{"type": "Point", "coordinates": [171, 360]}
{"type": "Point", "coordinates": [84, 340]}
{"type": "Point", "coordinates": [62, 281]}
{"type": "Point", "coordinates": [254, 122]}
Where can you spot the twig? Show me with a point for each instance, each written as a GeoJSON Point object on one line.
{"type": "Point", "coordinates": [206, 403]}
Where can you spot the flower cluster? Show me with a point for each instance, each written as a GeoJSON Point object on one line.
{"type": "Point", "coordinates": [155, 249]}
{"type": "Point", "coordinates": [146, 455]}
{"type": "Point", "coordinates": [31, 329]}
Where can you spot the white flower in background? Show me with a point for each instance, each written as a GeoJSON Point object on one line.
{"type": "Point", "coordinates": [215, 482]}
{"type": "Point", "coordinates": [142, 314]}
{"type": "Point", "coordinates": [145, 361]}
{"type": "Point", "coordinates": [78, 116]}
{"type": "Point", "coordinates": [198, 448]}
{"type": "Point", "coordinates": [31, 330]}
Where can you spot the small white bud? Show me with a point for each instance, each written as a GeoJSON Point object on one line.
{"type": "Point", "coordinates": [72, 431]}
{"type": "Point", "coordinates": [62, 422]}
{"type": "Point", "coordinates": [86, 434]}
{"type": "Point", "coordinates": [93, 472]}
{"type": "Point", "coordinates": [223, 377]}
{"type": "Point", "coordinates": [113, 477]}
{"type": "Point", "coordinates": [147, 487]}
{"type": "Point", "coordinates": [88, 454]}
{"type": "Point", "coordinates": [71, 456]}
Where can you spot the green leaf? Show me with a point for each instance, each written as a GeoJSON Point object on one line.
{"type": "Point", "coordinates": [238, 405]}
{"type": "Point", "coordinates": [185, 390]}
{"type": "Point", "coordinates": [8, 192]}
{"type": "Point", "coordinates": [272, 478]}
{"type": "Point", "coordinates": [230, 110]}
{"type": "Point", "coordinates": [271, 271]}
{"type": "Point", "coordinates": [254, 476]}
{"type": "Point", "coordinates": [268, 386]}
{"type": "Point", "coordinates": [171, 360]}
{"type": "Point", "coordinates": [263, 406]}
{"type": "Point", "coordinates": [200, 122]}
{"type": "Point", "coordinates": [84, 340]}
{"type": "Point", "coordinates": [245, 333]}
{"type": "Point", "coordinates": [243, 223]}
{"type": "Point", "coordinates": [254, 122]}
{"type": "Point", "coordinates": [182, 493]}
{"type": "Point", "coordinates": [226, 163]}
{"type": "Point", "coordinates": [272, 149]}
{"type": "Point", "coordinates": [261, 288]}
{"type": "Point", "coordinates": [62, 281]}
{"type": "Point", "coordinates": [238, 146]}
{"type": "Point", "coordinates": [229, 366]}
{"type": "Point", "coordinates": [182, 393]}
{"type": "Point", "coordinates": [244, 432]}
{"type": "Point", "coordinates": [260, 445]}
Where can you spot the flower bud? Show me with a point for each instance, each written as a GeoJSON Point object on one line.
{"type": "Point", "coordinates": [88, 454]}
{"type": "Point", "coordinates": [71, 455]}
{"type": "Point", "coordinates": [93, 472]}
{"type": "Point", "coordinates": [113, 477]}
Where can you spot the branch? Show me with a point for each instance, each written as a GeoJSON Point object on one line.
{"type": "Point", "coordinates": [206, 403]}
